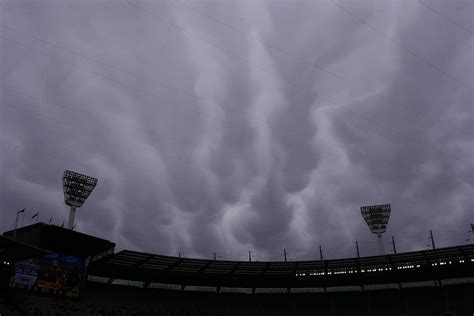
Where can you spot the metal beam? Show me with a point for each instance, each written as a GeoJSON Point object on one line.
{"type": "Point", "coordinates": [235, 267]}
{"type": "Point", "coordinates": [139, 263]}
{"type": "Point", "coordinates": [265, 268]}
{"type": "Point", "coordinates": [205, 266]}
{"type": "Point", "coordinates": [174, 265]}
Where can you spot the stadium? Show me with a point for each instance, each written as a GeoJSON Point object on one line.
{"type": "Point", "coordinates": [203, 131]}
{"type": "Point", "coordinates": [96, 280]}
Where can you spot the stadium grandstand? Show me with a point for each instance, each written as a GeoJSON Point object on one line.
{"type": "Point", "coordinates": [51, 270]}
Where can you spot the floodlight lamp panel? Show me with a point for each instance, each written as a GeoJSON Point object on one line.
{"type": "Point", "coordinates": [376, 217]}
{"type": "Point", "coordinates": [77, 188]}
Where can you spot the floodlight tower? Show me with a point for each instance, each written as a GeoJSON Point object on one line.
{"type": "Point", "coordinates": [77, 188]}
{"type": "Point", "coordinates": [376, 217]}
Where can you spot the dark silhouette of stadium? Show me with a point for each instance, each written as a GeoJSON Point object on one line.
{"type": "Point", "coordinates": [79, 274]}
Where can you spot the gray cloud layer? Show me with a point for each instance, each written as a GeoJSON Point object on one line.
{"type": "Point", "coordinates": [241, 125]}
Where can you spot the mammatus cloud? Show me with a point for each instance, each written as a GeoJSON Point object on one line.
{"type": "Point", "coordinates": [237, 126]}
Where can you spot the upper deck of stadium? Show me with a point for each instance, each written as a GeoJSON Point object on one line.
{"type": "Point", "coordinates": [436, 264]}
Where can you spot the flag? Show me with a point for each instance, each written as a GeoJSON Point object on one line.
{"type": "Point", "coordinates": [35, 215]}
{"type": "Point", "coordinates": [50, 220]}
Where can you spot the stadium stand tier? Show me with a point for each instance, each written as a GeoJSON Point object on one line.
{"type": "Point", "coordinates": [426, 265]}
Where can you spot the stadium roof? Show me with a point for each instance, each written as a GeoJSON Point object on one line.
{"type": "Point", "coordinates": [58, 239]}
{"type": "Point", "coordinates": [428, 264]}
{"type": "Point", "coordinates": [12, 250]}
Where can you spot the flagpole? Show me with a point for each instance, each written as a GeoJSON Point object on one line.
{"type": "Point", "coordinates": [16, 221]}
{"type": "Point", "coordinates": [36, 216]}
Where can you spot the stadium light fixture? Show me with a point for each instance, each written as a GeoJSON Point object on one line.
{"type": "Point", "coordinates": [77, 188]}
{"type": "Point", "coordinates": [376, 217]}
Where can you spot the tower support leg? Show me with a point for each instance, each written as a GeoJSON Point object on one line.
{"type": "Point", "coordinates": [380, 241]}
{"type": "Point", "coordinates": [72, 215]}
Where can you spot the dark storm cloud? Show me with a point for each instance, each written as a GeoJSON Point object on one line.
{"type": "Point", "coordinates": [243, 125]}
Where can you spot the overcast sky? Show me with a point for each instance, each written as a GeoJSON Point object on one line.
{"type": "Point", "coordinates": [240, 125]}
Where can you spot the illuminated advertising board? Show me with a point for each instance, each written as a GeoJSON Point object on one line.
{"type": "Point", "coordinates": [376, 217]}
{"type": "Point", "coordinates": [61, 273]}
{"type": "Point", "coordinates": [56, 274]}
{"type": "Point", "coordinates": [26, 272]}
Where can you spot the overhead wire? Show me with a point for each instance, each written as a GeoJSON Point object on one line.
{"type": "Point", "coordinates": [445, 17]}
{"type": "Point", "coordinates": [100, 130]}
{"type": "Point", "coordinates": [120, 82]}
{"type": "Point", "coordinates": [93, 59]}
{"type": "Point", "coordinates": [229, 122]}
{"type": "Point", "coordinates": [179, 27]}
{"type": "Point", "coordinates": [285, 52]}
{"type": "Point", "coordinates": [401, 45]}
{"type": "Point", "coordinates": [107, 78]}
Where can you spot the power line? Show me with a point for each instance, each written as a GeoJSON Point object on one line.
{"type": "Point", "coordinates": [177, 140]}
{"type": "Point", "coordinates": [138, 76]}
{"type": "Point", "coordinates": [293, 56]}
{"type": "Point", "coordinates": [445, 17]}
{"type": "Point", "coordinates": [401, 45]}
{"type": "Point", "coordinates": [184, 31]}
{"type": "Point", "coordinates": [230, 123]}
{"type": "Point", "coordinates": [279, 49]}
{"type": "Point", "coordinates": [127, 71]}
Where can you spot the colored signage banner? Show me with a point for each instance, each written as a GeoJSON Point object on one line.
{"type": "Point", "coordinates": [26, 272]}
{"type": "Point", "coordinates": [53, 273]}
